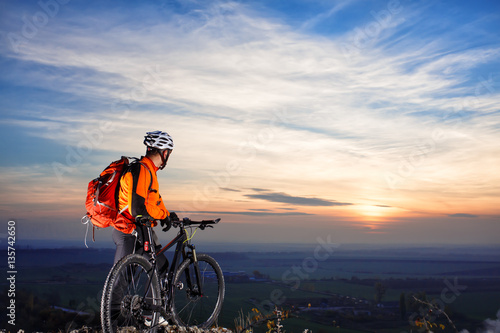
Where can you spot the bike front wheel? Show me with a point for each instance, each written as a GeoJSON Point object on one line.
{"type": "Point", "coordinates": [131, 296]}
{"type": "Point", "coordinates": [198, 292]}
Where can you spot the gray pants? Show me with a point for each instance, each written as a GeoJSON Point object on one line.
{"type": "Point", "coordinates": [127, 244]}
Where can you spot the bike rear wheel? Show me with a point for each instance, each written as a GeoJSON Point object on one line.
{"type": "Point", "coordinates": [130, 293]}
{"type": "Point", "coordinates": [189, 306]}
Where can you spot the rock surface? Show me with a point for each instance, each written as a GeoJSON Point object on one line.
{"type": "Point", "coordinates": [166, 329]}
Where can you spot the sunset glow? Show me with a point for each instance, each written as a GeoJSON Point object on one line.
{"type": "Point", "coordinates": [371, 121]}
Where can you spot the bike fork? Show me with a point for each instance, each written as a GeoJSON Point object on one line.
{"type": "Point", "coordinates": [197, 274]}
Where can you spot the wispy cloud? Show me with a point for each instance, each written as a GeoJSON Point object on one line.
{"type": "Point", "coordinates": [463, 215]}
{"type": "Point", "coordinates": [256, 189]}
{"type": "Point", "coordinates": [229, 189]}
{"type": "Point", "coordinates": [295, 200]}
{"type": "Point", "coordinates": [326, 15]}
{"type": "Point", "coordinates": [250, 213]}
{"type": "Point", "coordinates": [256, 103]}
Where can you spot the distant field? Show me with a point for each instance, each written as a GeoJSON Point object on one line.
{"type": "Point", "coordinates": [243, 297]}
{"type": "Point", "coordinates": [73, 278]}
{"type": "Point", "coordinates": [478, 305]}
{"type": "Point", "coordinates": [341, 265]}
{"type": "Point", "coordinates": [276, 265]}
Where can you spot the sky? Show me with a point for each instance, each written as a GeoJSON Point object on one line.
{"type": "Point", "coordinates": [372, 122]}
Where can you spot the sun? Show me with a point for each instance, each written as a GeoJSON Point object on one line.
{"type": "Point", "coordinates": [373, 213]}
{"type": "Point", "coordinates": [376, 217]}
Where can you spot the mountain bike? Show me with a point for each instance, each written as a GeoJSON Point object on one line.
{"type": "Point", "coordinates": [190, 294]}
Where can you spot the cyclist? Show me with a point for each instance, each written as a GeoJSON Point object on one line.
{"type": "Point", "coordinates": [139, 196]}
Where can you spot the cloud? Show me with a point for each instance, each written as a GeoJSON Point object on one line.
{"type": "Point", "coordinates": [256, 189]}
{"type": "Point", "coordinates": [301, 201]}
{"type": "Point", "coordinates": [251, 213]}
{"type": "Point", "coordinates": [312, 22]}
{"type": "Point", "coordinates": [229, 189]}
{"type": "Point", "coordinates": [259, 101]}
{"type": "Point", "coordinates": [463, 215]}
{"type": "Point", "coordinates": [285, 68]}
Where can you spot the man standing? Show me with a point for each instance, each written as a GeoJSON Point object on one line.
{"type": "Point", "coordinates": [139, 195]}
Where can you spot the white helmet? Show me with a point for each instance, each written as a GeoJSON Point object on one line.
{"type": "Point", "coordinates": [159, 140]}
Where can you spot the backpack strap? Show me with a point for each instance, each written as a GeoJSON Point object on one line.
{"type": "Point", "coordinates": [135, 169]}
{"type": "Point", "coordinates": [124, 209]}
{"type": "Point", "coordinates": [86, 220]}
{"type": "Point", "coordinates": [130, 162]}
{"type": "Point", "coordinates": [150, 176]}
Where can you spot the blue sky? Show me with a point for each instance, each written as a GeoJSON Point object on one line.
{"type": "Point", "coordinates": [376, 121]}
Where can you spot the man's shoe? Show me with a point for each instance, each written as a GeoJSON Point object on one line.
{"type": "Point", "coordinates": [161, 321]}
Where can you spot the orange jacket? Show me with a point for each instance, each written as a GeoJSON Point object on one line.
{"type": "Point", "coordinates": [139, 195]}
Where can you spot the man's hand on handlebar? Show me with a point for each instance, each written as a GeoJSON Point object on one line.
{"type": "Point", "coordinates": [167, 222]}
{"type": "Point", "coordinates": [173, 217]}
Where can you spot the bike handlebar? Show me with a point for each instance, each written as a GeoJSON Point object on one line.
{"type": "Point", "coordinates": [147, 220]}
{"type": "Point", "coordinates": [187, 222]}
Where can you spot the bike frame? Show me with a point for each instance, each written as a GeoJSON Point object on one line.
{"type": "Point", "coordinates": [180, 253]}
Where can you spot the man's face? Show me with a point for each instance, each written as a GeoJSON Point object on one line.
{"type": "Point", "coordinates": [166, 154]}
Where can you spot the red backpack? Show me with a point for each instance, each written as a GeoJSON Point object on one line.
{"type": "Point", "coordinates": [102, 195]}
